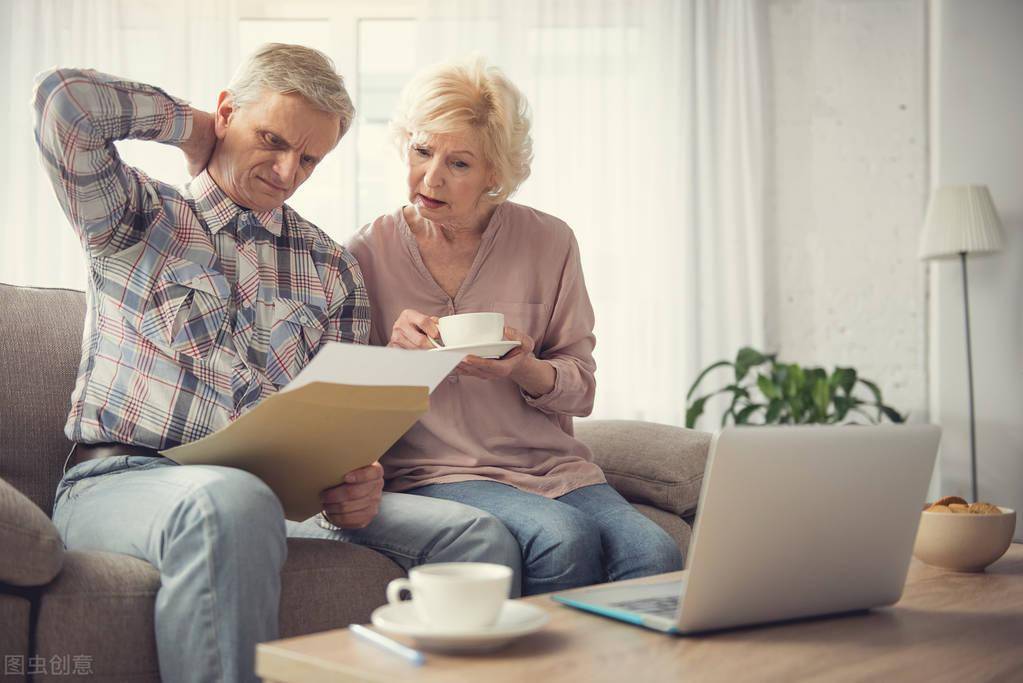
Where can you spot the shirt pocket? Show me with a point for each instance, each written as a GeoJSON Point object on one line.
{"type": "Point", "coordinates": [186, 308]}
{"type": "Point", "coordinates": [525, 317]}
{"type": "Point", "coordinates": [295, 333]}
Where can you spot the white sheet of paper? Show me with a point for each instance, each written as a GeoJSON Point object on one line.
{"type": "Point", "coordinates": [363, 365]}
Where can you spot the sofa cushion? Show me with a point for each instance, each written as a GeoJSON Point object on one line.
{"type": "Point", "coordinates": [327, 584]}
{"type": "Point", "coordinates": [102, 604]}
{"type": "Point", "coordinates": [32, 550]}
{"type": "Point", "coordinates": [677, 528]}
{"type": "Point", "coordinates": [14, 626]}
{"type": "Point", "coordinates": [38, 365]}
{"type": "Point", "coordinates": [649, 463]}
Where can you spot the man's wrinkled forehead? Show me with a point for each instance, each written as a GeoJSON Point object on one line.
{"type": "Point", "coordinates": [294, 118]}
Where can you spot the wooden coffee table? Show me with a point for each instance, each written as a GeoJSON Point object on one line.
{"type": "Point", "coordinates": [948, 626]}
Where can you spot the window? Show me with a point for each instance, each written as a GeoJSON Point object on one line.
{"type": "Point", "coordinates": [384, 68]}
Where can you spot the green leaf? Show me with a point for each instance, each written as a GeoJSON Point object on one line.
{"type": "Point", "coordinates": [720, 363]}
{"type": "Point", "coordinates": [745, 359]}
{"type": "Point", "coordinates": [737, 393]}
{"type": "Point", "coordinates": [780, 376]}
{"type": "Point", "coordinates": [694, 411]}
{"type": "Point", "coordinates": [742, 417]}
{"type": "Point", "coordinates": [873, 389]}
{"type": "Point", "coordinates": [773, 411]}
{"type": "Point", "coordinates": [842, 405]}
{"type": "Point", "coordinates": [844, 378]}
{"type": "Point", "coordinates": [767, 387]}
{"type": "Point", "coordinates": [735, 389]}
{"type": "Point", "coordinates": [796, 381]}
{"type": "Point", "coordinates": [892, 414]}
{"type": "Point", "coordinates": [796, 408]}
{"type": "Point", "coordinates": [725, 415]}
{"type": "Point", "coordinates": [814, 375]}
{"type": "Point", "coordinates": [870, 418]}
{"type": "Point", "coordinates": [821, 395]}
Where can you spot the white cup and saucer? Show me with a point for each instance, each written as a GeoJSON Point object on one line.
{"type": "Point", "coordinates": [457, 607]}
{"type": "Point", "coordinates": [480, 334]}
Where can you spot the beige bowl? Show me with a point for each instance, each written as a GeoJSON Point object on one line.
{"type": "Point", "coordinates": [963, 542]}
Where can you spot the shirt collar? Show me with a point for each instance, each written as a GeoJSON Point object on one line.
{"type": "Point", "coordinates": [217, 209]}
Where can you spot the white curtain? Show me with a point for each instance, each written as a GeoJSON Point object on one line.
{"type": "Point", "coordinates": [648, 138]}
{"type": "Point", "coordinates": [188, 48]}
{"type": "Point", "coordinates": [647, 126]}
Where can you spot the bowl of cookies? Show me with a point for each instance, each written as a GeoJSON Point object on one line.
{"type": "Point", "coordinates": [961, 536]}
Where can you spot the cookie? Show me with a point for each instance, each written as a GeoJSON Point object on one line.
{"type": "Point", "coordinates": [984, 509]}
{"type": "Point", "coordinates": [948, 500]}
{"type": "Point", "coordinates": [958, 507]}
{"type": "Point", "coordinates": [938, 508]}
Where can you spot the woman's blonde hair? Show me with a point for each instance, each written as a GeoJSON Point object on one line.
{"type": "Point", "coordinates": [470, 96]}
{"type": "Point", "coordinates": [287, 69]}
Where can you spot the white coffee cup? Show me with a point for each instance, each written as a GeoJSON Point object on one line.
{"type": "Point", "coordinates": [455, 595]}
{"type": "Point", "coordinates": [465, 329]}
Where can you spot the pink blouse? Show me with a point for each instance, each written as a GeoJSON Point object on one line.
{"type": "Point", "coordinates": [528, 268]}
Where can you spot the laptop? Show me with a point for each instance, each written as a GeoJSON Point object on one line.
{"type": "Point", "coordinates": [793, 522]}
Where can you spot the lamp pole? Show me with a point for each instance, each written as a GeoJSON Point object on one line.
{"type": "Point", "coordinates": [969, 379]}
{"type": "Point", "coordinates": [961, 219]}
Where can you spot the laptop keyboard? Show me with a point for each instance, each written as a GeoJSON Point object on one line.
{"type": "Point", "coordinates": [662, 607]}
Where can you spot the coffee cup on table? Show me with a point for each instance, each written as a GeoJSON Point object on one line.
{"type": "Point", "coordinates": [455, 595]}
{"type": "Point", "coordinates": [467, 329]}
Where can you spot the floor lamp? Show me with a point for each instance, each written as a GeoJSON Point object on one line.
{"type": "Point", "coordinates": [962, 220]}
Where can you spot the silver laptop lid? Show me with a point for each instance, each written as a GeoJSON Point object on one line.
{"type": "Point", "coordinates": [802, 521]}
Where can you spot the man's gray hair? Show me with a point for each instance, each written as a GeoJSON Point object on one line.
{"type": "Point", "coordinates": [286, 69]}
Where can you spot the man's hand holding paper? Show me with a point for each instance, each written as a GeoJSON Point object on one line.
{"type": "Point", "coordinates": [354, 503]}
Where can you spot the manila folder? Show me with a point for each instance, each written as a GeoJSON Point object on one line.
{"type": "Point", "coordinates": [305, 440]}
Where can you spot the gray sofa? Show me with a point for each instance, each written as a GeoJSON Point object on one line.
{"type": "Point", "coordinates": [94, 610]}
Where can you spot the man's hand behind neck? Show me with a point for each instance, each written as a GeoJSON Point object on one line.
{"type": "Point", "coordinates": [198, 148]}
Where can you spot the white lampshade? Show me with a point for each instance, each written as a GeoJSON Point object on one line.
{"type": "Point", "coordinates": [960, 218]}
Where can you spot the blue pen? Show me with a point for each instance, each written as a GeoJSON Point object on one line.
{"type": "Point", "coordinates": [414, 657]}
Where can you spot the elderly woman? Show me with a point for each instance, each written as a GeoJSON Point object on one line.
{"type": "Point", "coordinates": [498, 435]}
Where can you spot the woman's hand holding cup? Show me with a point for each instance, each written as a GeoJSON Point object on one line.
{"type": "Point", "coordinates": [505, 367]}
{"type": "Point", "coordinates": [413, 330]}
{"type": "Point", "coordinates": [416, 330]}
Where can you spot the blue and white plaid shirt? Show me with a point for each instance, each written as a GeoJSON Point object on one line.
{"type": "Point", "coordinates": [198, 308]}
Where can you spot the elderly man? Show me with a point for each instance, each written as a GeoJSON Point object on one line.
{"type": "Point", "coordinates": [204, 300]}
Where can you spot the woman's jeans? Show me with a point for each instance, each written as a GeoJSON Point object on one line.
{"type": "Point", "coordinates": [588, 536]}
{"type": "Point", "coordinates": [218, 537]}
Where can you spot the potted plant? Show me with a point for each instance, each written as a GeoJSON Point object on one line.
{"type": "Point", "coordinates": [767, 391]}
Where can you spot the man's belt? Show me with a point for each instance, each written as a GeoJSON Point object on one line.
{"type": "Point", "coordinates": [93, 451]}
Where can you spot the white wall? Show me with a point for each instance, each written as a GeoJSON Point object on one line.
{"type": "Point", "coordinates": [849, 188]}
{"type": "Point", "coordinates": [873, 104]}
{"type": "Point", "coordinates": [977, 137]}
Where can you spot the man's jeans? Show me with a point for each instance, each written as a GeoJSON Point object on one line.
{"type": "Point", "coordinates": [590, 535]}
{"type": "Point", "coordinates": [217, 536]}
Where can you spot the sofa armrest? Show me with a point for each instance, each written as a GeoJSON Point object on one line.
{"type": "Point", "coordinates": [33, 552]}
{"type": "Point", "coordinates": [649, 463]}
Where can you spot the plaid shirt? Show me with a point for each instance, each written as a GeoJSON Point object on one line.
{"type": "Point", "coordinates": [198, 308]}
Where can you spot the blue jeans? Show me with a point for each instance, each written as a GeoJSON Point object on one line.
{"type": "Point", "coordinates": [588, 536]}
{"type": "Point", "coordinates": [218, 537]}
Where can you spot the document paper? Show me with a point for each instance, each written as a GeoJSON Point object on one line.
{"type": "Point", "coordinates": [343, 411]}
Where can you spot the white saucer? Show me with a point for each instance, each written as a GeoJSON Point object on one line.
{"type": "Point", "coordinates": [487, 350]}
{"type": "Point", "coordinates": [516, 619]}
